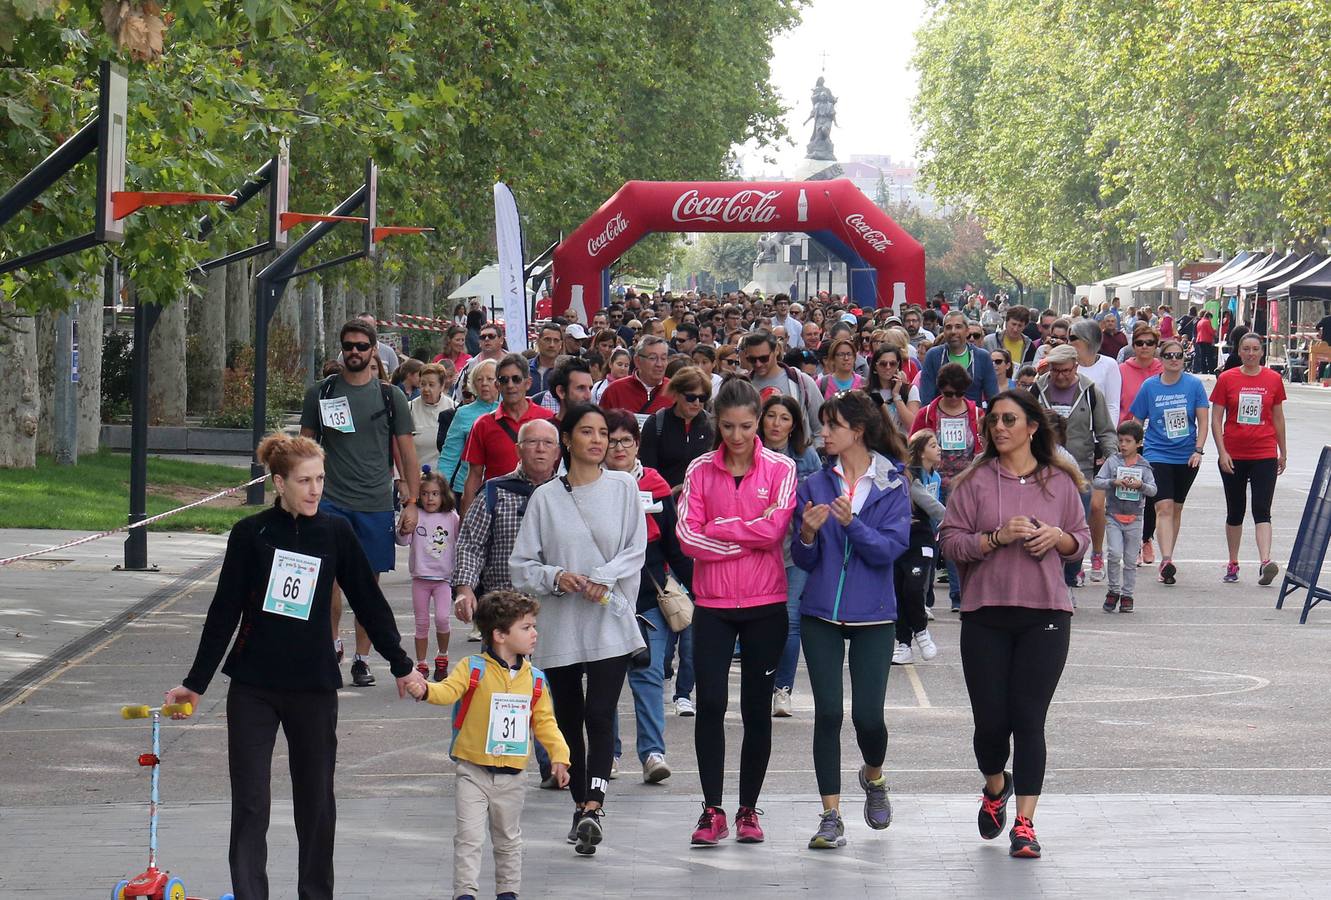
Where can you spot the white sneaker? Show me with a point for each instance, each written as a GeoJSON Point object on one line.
{"type": "Point", "coordinates": [474, 635]}
{"type": "Point", "coordinates": [929, 613]}
{"type": "Point", "coordinates": [781, 703]}
{"type": "Point", "coordinates": [928, 649]}
{"type": "Point", "coordinates": [654, 769]}
{"type": "Point", "coordinates": [902, 656]}
{"type": "Point", "coordinates": [614, 767]}
{"type": "Point", "coordinates": [684, 707]}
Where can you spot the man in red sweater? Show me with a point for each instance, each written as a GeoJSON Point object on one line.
{"type": "Point", "coordinates": [643, 392]}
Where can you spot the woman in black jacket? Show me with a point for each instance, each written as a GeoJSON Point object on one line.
{"type": "Point", "coordinates": [674, 437]}
{"type": "Point", "coordinates": [276, 584]}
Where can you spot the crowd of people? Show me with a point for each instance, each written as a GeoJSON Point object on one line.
{"type": "Point", "coordinates": [803, 474]}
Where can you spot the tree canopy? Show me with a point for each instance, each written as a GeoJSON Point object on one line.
{"type": "Point", "coordinates": [563, 99]}
{"type": "Point", "coordinates": [1073, 128]}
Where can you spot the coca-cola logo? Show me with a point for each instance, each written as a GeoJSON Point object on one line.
{"type": "Point", "coordinates": [747, 206]}
{"type": "Point", "coordinates": [871, 236]}
{"type": "Point", "coordinates": [613, 229]}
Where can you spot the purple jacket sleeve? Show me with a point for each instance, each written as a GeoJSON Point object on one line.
{"type": "Point", "coordinates": [882, 547]}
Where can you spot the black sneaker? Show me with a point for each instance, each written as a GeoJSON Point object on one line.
{"type": "Point", "coordinates": [588, 831]}
{"type": "Point", "coordinates": [573, 829]}
{"type": "Point", "coordinates": [993, 810]}
{"type": "Point", "coordinates": [1168, 571]}
{"type": "Point", "coordinates": [361, 676]}
{"type": "Point", "coordinates": [1024, 843]}
{"type": "Point", "coordinates": [1111, 601]}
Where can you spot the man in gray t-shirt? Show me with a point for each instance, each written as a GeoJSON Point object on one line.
{"type": "Point", "coordinates": [349, 415]}
{"type": "Point", "coordinates": [757, 353]}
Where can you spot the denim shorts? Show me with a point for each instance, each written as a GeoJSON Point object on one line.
{"type": "Point", "coordinates": [375, 531]}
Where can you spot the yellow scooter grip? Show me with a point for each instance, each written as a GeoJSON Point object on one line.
{"type": "Point", "coordinates": [135, 712]}
{"type": "Point", "coordinates": [184, 709]}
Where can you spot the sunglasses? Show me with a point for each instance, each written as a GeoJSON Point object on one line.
{"type": "Point", "coordinates": [694, 398]}
{"type": "Point", "coordinates": [1171, 354]}
{"type": "Point", "coordinates": [952, 395]}
{"type": "Point", "coordinates": [977, 336]}
{"type": "Point", "coordinates": [358, 346]}
{"type": "Point", "coordinates": [489, 337]}
{"type": "Point", "coordinates": [887, 363]}
{"type": "Point", "coordinates": [510, 379]}
{"type": "Point", "coordinates": [758, 360]}
{"type": "Point", "coordinates": [1008, 419]}
{"type": "Point", "coordinates": [1143, 343]}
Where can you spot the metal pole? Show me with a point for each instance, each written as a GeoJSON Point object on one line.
{"type": "Point", "coordinates": [136, 543]}
{"type": "Point", "coordinates": [266, 296]}
{"type": "Point", "coordinates": [64, 158]}
{"type": "Point", "coordinates": [66, 390]}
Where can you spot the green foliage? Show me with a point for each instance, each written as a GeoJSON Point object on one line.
{"type": "Point", "coordinates": [726, 257]}
{"type": "Point", "coordinates": [91, 495]}
{"type": "Point", "coordinates": [117, 370]}
{"type": "Point", "coordinates": [237, 410]}
{"type": "Point", "coordinates": [563, 100]}
{"type": "Point", "coordinates": [1072, 127]}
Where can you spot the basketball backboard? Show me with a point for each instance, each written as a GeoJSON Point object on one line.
{"type": "Point", "coordinates": [371, 207]}
{"type": "Point", "coordinates": [112, 106]}
{"type": "Point", "coordinates": [278, 187]}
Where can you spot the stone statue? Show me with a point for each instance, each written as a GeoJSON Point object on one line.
{"type": "Point", "coordinates": [823, 117]}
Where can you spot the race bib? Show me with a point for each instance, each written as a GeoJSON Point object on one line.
{"type": "Point", "coordinates": [1250, 407]}
{"type": "Point", "coordinates": [1123, 493]}
{"type": "Point", "coordinates": [291, 584]}
{"type": "Point", "coordinates": [952, 434]}
{"type": "Point", "coordinates": [509, 716]}
{"type": "Point", "coordinates": [642, 419]}
{"type": "Point", "coordinates": [335, 413]}
{"type": "Point", "coordinates": [1062, 409]}
{"type": "Point", "coordinates": [649, 503]}
{"type": "Point", "coordinates": [1176, 422]}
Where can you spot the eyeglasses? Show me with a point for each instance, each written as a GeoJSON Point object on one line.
{"type": "Point", "coordinates": [1063, 370]}
{"type": "Point", "coordinates": [1008, 419]}
{"type": "Point", "coordinates": [843, 354]}
{"type": "Point", "coordinates": [511, 379]}
{"type": "Point", "coordinates": [625, 443]}
{"type": "Point", "coordinates": [694, 398]}
{"type": "Point", "coordinates": [887, 363]}
{"type": "Point", "coordinates": [1171, 354]}
{"type": "Point", "coordinates": [489, 337]}
{"type": "Point", "coordinates": [952, 395]}
{"type": "Point", "coordinates": [537, 442]}
{"type": "Point", "coordinates": [758, 360]}
{"type": "Point", "coordinates": [358, 346]}
{"type": "Point", "coordinates": [1143, 343]}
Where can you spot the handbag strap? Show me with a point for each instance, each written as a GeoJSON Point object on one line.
{"type": "Point", "coordinates": [563, 479]}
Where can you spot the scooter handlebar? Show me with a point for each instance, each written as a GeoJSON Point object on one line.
{"type": "Point", "coordinates": [168, 709]}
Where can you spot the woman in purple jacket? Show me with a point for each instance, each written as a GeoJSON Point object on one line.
{"type": "Point", "coordinates": [1013, 518]}
{"type": "Point", "coordinates": [852, 521]}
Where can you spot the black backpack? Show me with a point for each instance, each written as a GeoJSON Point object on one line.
{"type": "Point", "coordinates": [326, 391]}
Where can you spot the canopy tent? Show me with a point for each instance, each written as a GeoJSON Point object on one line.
{"type": "Point", "coordinates": [1262, 284]}
{"type": "Point", "coordinates": [1200, 291]}
{"type": "Point", "coordinates": [1230, 285]}
{"type": "Point", "coordinates": [484, 284]}
{"type": "Point", "coordinates": [1313, 284]}
{"type": "Point", "coordinates": [1152, 278]}
{"type": "Point", "coordinates": [1242, 259]}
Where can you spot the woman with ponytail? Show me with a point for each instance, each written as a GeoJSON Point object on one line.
{"type": "Point", "coordinates": [276, 585]}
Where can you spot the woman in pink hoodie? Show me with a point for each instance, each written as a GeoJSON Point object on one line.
{"type": "Point", "coordinates": [734, 514]}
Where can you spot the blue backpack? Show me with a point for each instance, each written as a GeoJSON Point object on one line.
{"type": "Point", "coordinates": [463, 705]}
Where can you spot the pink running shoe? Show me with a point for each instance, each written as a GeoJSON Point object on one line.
{"type": "Point", "coordinates": [712, 828]}
{"type": "Point", "coordinates": [747, 829]}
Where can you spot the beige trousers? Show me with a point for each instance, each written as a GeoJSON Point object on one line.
{"type": "Point", "coordinates": [484, 797]}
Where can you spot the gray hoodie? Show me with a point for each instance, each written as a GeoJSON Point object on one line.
{"type": "Point", "coordinates": [1091, 434]}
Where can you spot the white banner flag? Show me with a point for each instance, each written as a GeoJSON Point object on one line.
{"type": "Point", "coordinates": [508, 240]}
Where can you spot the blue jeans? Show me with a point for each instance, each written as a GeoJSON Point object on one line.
{"type": "Point", "coordinates": [1072, 569]}
{"type": "Point", "coordinates": [684, 667]}
{"type": "Point", "coordinates": [648, 686]}
{"type": "Point", "coordinates": [796, 578]}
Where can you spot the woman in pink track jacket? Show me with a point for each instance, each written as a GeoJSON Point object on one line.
{"type": "Point", "coordinates": [734, 514]}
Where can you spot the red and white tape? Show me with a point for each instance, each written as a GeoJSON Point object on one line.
{"type": "Point", "coordinates": [139, 524]}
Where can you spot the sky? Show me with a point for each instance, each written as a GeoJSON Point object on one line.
{"type": "Point", "coordinates": [868, 45]}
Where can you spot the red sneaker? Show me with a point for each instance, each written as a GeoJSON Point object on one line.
{"type": "Point", "coordinates": [1148, 554]}
{"type": "Point", "coordinates": [712, 828]}
{"type": "Point", "coordinates": [423, 669]}
{"type": "Point", "coordinates": [440, 668]}
{"type": "Point", "coordinates": [1024, 843]}
{"type": "Point", "coordinates": [747, 829]}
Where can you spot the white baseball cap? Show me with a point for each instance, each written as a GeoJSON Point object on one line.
{"type": "Point", "coordinates": [577, 332]}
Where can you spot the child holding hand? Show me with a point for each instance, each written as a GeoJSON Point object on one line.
{"type": "Point", "coordinates": [433, 557]}
{"type": "Point", "coordinates": [1127, 480]}
{"type": "Point", "coordinates": [501, 703]}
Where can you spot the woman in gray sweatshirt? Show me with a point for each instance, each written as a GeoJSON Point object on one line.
{"type": "Point", "coordinates": [580, 551]}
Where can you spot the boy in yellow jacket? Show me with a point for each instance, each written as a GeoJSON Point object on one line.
{"type": "Point", "coordinates": [500, 702]}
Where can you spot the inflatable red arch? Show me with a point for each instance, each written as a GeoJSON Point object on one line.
{"type": "Point", "coordinates": [885, 263]}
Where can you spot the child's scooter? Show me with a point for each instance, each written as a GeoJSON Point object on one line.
{"type": "Point", "coordinates": [153, 883]}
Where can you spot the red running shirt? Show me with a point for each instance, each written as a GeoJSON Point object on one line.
{"type": "Point", "coordinates": [1248, 400]}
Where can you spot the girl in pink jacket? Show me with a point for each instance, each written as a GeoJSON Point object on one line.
{"type": "Point", "coordinates": [734, 515]}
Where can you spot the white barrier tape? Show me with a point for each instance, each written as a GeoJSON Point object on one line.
{"type": "Point", "coordinates": [140, 524]}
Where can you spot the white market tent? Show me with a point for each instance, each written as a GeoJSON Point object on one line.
{"type": "Point", "coordinates": [1152, 278]}
{"type": "Point", "coordinates": [1197, 291]}
{"type": "Point", "coordinates": [484, 284]}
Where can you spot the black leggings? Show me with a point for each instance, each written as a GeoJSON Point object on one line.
{"type": "Point", "coordinates": [912, 576]}
{"type": "Point", "coordinates": [594, 711]}
{"type": "Point", "coordinates": [1012, 658]}
{"type": "Point", "coordinates": [1261, 474]}
{"type": "Point", "coordinates": [870, 661]}
{"type": "Point", "coordinates": [761, 632]}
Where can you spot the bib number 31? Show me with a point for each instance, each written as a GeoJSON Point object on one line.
{"type": "Point", "coordinates": [509, 715]}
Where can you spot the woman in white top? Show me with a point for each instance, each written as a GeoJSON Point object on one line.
{"type": "Point", "coordinates": [1085, 337]}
